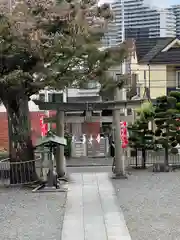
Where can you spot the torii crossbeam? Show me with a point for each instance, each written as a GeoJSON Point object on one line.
{"type": "Point", "coordinates": [61, 107]}
{"type": "Point", "coordinates": [88, 106]}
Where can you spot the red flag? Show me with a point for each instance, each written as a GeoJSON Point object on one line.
{"type": "Point", "coordinates": [124, 134]}
{"type": "Point", "coordinates": [43, 126]}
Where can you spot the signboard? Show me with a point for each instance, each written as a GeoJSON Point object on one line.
{"type": "Point", "coordinates": [124, 134]}
{"type": "Point", "coordinates": [43, 126]}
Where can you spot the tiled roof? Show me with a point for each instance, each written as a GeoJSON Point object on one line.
{"type": "Point", "coordinates": [171, 56]}
{"type": "Point", "coordinates": [150, 51]}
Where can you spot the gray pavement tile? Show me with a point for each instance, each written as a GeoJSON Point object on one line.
{"type": "Point", "coordinates": [114, 220]}
{"type": "Point", "coordinates": [93, 215]}
{"type": "Point", "coordinates": [73, 227]}
{"type": "Point", "coordinates": [88, 161]}
{"type": "Point", "coordinates": [97, 216]}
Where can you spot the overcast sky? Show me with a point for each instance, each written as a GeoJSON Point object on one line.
{"type": "Point", "coordinates": [165, 3]}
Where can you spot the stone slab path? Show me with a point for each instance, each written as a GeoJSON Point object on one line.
{"type": "Point", "coordinates": [92, 211]}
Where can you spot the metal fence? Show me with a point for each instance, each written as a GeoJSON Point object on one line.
{"type": "Point", "coordinates": [153, 157]}
{"type": "Point", "coordinates": [20, 173]}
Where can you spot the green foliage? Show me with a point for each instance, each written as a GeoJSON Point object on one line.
{"type": "Point", "coordinates": [60, 44]}
{"type": "Point", "coordinates": [174, 150]}
{"type": "Point", "coordinates": [158, 132]}
{"type": "Point", "coordinates": [4, 155]}
{"type": "Point", "coordinates": [146, 110]}
{"type": "Point", "coordinates": [166, 111]}
{"type": "Point", "coordinates": [140, 136]}
{"type": "Point", "coordinates": [178, 138]}
{"type": "Point", "coordinates": [53, 44]}
{"type": "Point", "coordinates": [176, 95]}
{"type": "Point", "coordinates": [178, 105]}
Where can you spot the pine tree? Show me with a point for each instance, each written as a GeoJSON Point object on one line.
{"type": "Point", "coordinates": [49, 44]}
{"type": "Point", "coordinates": [167, 133]}
{"type": "Point", "coordinates": [141, 138]}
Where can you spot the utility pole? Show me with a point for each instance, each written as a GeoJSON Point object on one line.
{"type": "Point", "coordinates": [10, 6]}
{"type": "Point", "coordinates": [60, 160]}
{"type": "Point", "coordinates": [123, 65]}
{"type": "Point", "coordinates": [119, 158]}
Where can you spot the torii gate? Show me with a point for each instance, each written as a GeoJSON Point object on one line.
{"type": "Point", "coordinates": [61, 108]}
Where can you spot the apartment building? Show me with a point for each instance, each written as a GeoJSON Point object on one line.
{"type": "Point", "coordinates": [176, 11]}
{"type": "Point", "coordinates": [139, 19]}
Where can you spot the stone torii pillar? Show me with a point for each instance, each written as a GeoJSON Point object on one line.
{"type": "Point", "coordinates": [119, 153]}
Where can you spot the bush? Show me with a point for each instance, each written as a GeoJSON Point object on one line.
{"type": "Point", "coordinates": [166, 122]}
{"type": "Point", "coordinates": [4, 155]}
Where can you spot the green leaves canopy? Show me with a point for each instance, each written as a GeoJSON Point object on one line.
{"type": "Point", "coordinates": [166, 114]}
{"type": "Point", "coordinates": [45, 43]}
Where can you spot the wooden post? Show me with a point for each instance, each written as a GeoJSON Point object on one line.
{"type": "Point", "coordinates": [60, 159]}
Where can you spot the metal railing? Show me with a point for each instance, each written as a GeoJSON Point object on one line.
{"type": "Point", "coordinates": [20, 173]}
{"type": "Point", "coordinates": [153, 157]}
{"type": "Point", "coordinates": [5, 171]}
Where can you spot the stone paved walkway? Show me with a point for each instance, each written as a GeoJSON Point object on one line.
{"type": "Point", "coordinates": [87, 161]}
{"type": "Point", "coordinates": [92, 211]}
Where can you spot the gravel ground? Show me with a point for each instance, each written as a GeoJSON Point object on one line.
{"type": "Point", "coordinates": [151, 204]}
{"type": "Point", "coordinates": [31, 216]}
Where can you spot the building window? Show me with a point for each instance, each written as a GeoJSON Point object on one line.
{"type": "Point", "coordinates": [92, 85]}
{"type": "Point", "coordinates": [52, 97]}
{"type": "Point", "coordinates": [55, 97]}
{"type": "Point", "coordinates": [138, 90]}
{"type": "Point", "coordinates": [178, 79]}
{"type": "Point", "coordinates": [42, 97]}
{"type": "Point", "coordinates": [119, 77]}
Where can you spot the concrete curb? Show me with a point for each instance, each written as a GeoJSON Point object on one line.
{"type": "Point", "coordinates": [89, 165]}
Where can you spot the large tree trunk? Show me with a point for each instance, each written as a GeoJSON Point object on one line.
{"type": "Point", "coordinates": [22, 166]}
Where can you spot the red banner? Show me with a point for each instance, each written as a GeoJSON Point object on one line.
{"type": "Point", "coordinates": [43, 126]}
{"type": "Point", "coordinates": [124, 134]}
